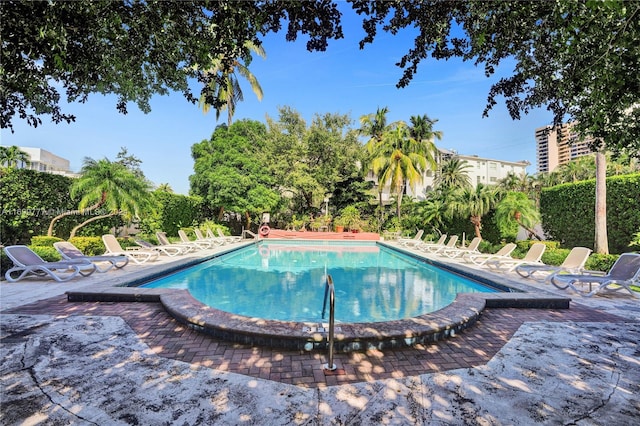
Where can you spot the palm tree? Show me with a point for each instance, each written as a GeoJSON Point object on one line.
{"type": "Point", "coordinates": [421, 129]}
{"type": "Point", "coordinates": [399, 160]}
{"type": "Point", "coordinates": [374, 125]}
{"type": "Point", "coordinates": [453, 175]}
{"type": "Point", "coordinates": [226, 86]}
{"type": "Point", "coordinates": [516, 208]}
{"type": "Point", "coordinates": [511, 182]}
{"type": "Point", "coordinates": [434, 213]}
{"type": "Point", "coordinates": [109, 185]}
{"type": "Point", "coordinates": [473, 203]}
{"type": "Point", "coordinates": [581, 168]}
{"type": "Point", "coordinates": [12, 156]}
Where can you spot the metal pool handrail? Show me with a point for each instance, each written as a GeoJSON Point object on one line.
{"type": "Point", "coordinates": [329, 289]}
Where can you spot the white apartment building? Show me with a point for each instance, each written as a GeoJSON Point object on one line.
{"type": "Point", "coordinates": [45, 161]}
{"type": "Point", "coordinates": [483, 170]}
{"type": "Point", "coordinates": [553, 151]}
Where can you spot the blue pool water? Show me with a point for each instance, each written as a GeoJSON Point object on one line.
{"type": "Point", "coordinates": [285, 280]}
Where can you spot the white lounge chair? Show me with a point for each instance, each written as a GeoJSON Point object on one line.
{"type": "Point", "coordinates": [249, 233]}
{"type": "Point", "coordinates": [461, 251]}
{"type": "Point", "coordinates": [168, 250]}
{"type": "Point", "coordinates": [481, 258]}
{"type": "Point", "coordinates": [28, 264]}
{"type": "Point", "coordinates": [434, 249]}
{"type": "Point", "coordinates": [412, 242]}
{"type": "Point", "coordinates": [228, 238]}
{"type": "Point", "coordinates": [140, 256]}
{"type": "Point", "coordinates": [215, 241]}
{"type": "Point", "coordinates": [425, 245]}
{"type": "Point", "coordinates": [532, 257]}
{"type": "Point", "coordinates": [103, 263]}
{"type": "Point", "coordinates": [624, 273]}
{"type": "Point", "coordinates": [572, 264]}
{"type": "Point", "coordinates": [164, 241]}
{"type": "Point", "coordinates": [201, 244]}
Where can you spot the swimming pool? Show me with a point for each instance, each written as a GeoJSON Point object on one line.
{"type": "Point", "coordinates": [285, 280]}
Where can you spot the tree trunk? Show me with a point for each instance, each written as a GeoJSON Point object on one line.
{"type": "Point", "coordinates": [93, 219]}
{"type": "Point", "coordinates": [601, 244]}
{"type": "Point", "coordinates": [477, 225]}
{"type": "Point", "coordinates": [69, 213]}
{"type": "Point", "coordinates": [381, 217]}
{"type": "Point", "coordinates": [531, 232]}
{"type": "Point", "coordinates": [399, 191]}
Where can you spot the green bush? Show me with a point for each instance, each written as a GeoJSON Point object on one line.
{"type": "Point", "coordinates": [601, 262]}
{"type": "Point", "coordinates": [635, 242]}
{"type": "Point", "coordinates": [127, 242]}
{"type": "Point", "coordinates": [525, 245]}
{"type": "Point", "coordinates": [5, 264]}
{"type": "Point", "coordinates": [209, 224]}
{"type": "Point", "coordinates": [49, 254]}
{"type": "Point", "coordinates": [44, 241]}
{"type": "Point", "coordinates": [90, 246]}
{"type": "Point", "coordinates": [488, 247]}
{"type": "Point", "coordinates": [554, 256]}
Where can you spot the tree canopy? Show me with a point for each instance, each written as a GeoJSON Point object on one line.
{"type": "Point", "coordinates": [579, 59]}
{"type": "Point", "coordinates": [285, 167]}
{"type": "Point", "coordinates": [135, 49]}
{"type": "Point", "coordinates": [229, 172]}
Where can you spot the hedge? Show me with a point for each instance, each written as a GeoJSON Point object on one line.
{"type": "Point", "coordinates": [173, 212]}
{"type": "Point", "coordinates": [568, 212]}
{"type": "Point", "coordinates": [30, 199]}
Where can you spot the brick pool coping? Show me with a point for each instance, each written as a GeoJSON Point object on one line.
{"type": "Point", "coordinates": [444, 323]}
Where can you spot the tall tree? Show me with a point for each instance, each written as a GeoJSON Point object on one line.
{"type": "Point", "coordinates": [452, 174]}
{"type": "Point", "coordinates": [511, 182]}
{"type": "Point", "coordinates": [229, 172]}
{"type": "Point", "coordinates": [130, 161]}
{"type": "Point", "coordinates": [373, 126]}
{"type": "Point", "coordinates": [310, 161]}
{"type": "Point", "coordinates": [421, 129]}
{"type": "Point", "coordinates": [399, 160]}
{"type": "Point", "coordinates": [227, 87]}
{"type": "Point", "coordinates": [165, 187]}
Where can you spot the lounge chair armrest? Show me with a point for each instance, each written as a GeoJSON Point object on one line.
{"type": "Point", "coordinates": [598, 273]}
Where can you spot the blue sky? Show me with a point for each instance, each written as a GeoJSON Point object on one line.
{"type": "Point", "coordinates": [344, 80]}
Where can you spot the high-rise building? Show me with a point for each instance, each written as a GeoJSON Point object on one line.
{"type": "Point", "coordinates": [553, 150]}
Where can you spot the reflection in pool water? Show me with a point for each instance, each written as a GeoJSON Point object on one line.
{"type": "Point", "coordinates": [285, 280]}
